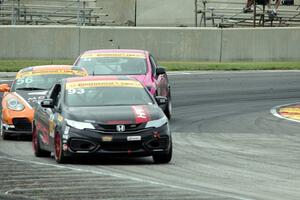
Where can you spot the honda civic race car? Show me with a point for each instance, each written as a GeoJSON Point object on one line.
{"type": "Point", "coordinates": [136, 63]}
{"type": "Point", "coordinates": [101, 116]}
{"type": "Point", "coordinates": [29, 87]}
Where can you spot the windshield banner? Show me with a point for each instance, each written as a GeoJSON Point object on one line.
{"type": "Point", "coordinates": [49, 72]}
{"type": "Point", "coordinates": [113, 55]}
{"type": "Point", "coordinates": [103, 83]}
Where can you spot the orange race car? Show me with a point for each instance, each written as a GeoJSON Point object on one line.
{"type": "Point", "coordinates": [29, 87]}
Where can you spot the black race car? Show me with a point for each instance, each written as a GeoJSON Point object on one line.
{"type": "Point", "coordinates": [101, 116]}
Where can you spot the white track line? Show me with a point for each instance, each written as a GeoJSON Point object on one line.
{"type": "Point", "coordinates": [116, 175]}
{"type": "Point", "coordinates": [274, 112]}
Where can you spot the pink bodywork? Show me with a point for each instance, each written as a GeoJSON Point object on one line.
{"type": "Point", "coordinates": [147, 79]}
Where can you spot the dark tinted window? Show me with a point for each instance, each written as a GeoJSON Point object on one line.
{"type": "Point", "coordinates": [113, 65]}
{"type": "Point", "coordinates": [107, 96]}
{"type": "Point", "coordinates": [38, 82]}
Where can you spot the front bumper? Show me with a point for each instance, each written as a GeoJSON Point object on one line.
{"type": "Point", "coordinates": [16, 123]}
{"type": "Point", "coordinates": [92, 142]}
{"type": "Point", "coordinates": [12, 130]}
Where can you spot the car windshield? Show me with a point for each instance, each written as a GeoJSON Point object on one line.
{"type": "Point", "coordinates": [107, 96]}
{"type": "Point", "coordinates": [38, 82]}
{"type": "Point", "coordinates": [113, 65]}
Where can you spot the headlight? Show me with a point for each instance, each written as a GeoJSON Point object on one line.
{"type": "Point", "coordinates": [157, 123]}
{"type": "Point", "coordinates": [79, 125]}
{"type": "Point", "coordinates": [15, 104]}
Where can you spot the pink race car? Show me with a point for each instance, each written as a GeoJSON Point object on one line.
{"type": "Point", "coordinates": [135, 63]}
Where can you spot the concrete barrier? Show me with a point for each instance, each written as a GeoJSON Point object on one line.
{"type": "Point", "coordinates": [33, 42]}
{"type": "Point", "coordinates": [169, 44]}
{"type": "Point", "coordinates": [260, 44]}
{"type": "Point", "coordinates": [165, 43]}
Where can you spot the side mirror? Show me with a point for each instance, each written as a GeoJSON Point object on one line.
{"type": "Point", "coordinates": [4, 88]}
{"type": "Point", "coordinates": [161, 100]}
{"type": "Point", "coordinates": [47, 103]}
{"type": "Point", "coordinates": [160, 70]}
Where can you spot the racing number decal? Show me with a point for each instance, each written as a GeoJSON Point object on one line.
{"type": "Point", "coordinates": [141, 114]}
{"type": "Point", "coordinates": [51, 125]}
{"type": "Point", "coordinates": [76, 91]}
{"type": "Point", "coordinates": [26, 80]}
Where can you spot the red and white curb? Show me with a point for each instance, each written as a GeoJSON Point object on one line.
{"type": "Point", "coordinates": [289, 112]}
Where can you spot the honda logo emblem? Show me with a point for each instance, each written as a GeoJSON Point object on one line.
{"type": "Point", "coordinates": [120, 128]}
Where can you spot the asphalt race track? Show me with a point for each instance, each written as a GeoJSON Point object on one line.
{"type": "Point", "coordinates": [227, 145]}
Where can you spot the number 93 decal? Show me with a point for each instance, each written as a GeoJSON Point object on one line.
{"type": "Point", "coordinates": [76, 91]}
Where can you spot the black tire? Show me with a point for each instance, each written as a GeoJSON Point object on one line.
{"type": "Point", "coordinates": [168, 109]}
{"type": "Point", "coordinates": [38, 152]}
{"type": "Point", "coordinates": [163, 158]}
{"type": "Point", "coordinates": [58, 149]}
{"type": "Point", "coordinates": [3, 134]}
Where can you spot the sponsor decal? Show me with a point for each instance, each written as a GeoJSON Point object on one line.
{"type": "Point", "coordinates": [107, 138]}
{"type": "Point", "coordinates": [134, 138]}
{"type": "Point", "coordinates": [43, 129]}
{"type": "Point", "coordinates": [67, 129]}
{"type": "Point", "coordinates": [141, 114]}
{"type": "Point", "coordinates": [60, 118]}
{"type": "Point", "coordinates": [35, 99]}
{"type": "Point", "coordinates": [27, 74]}
{"type": "Point", "coordinates": [113, 55]}
{"type": "Point", "coordinates": [51, 125]}
{"type": "Point", "coordinates": [102, 83]}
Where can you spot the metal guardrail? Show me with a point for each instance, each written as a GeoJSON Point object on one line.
{"type": "Point", "coordinates": [69, 12]}
{"type": "Point", "coordinates": [213, 14]}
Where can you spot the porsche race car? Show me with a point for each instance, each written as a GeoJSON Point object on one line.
{"type": "Point", "coordinates": [29, 87]}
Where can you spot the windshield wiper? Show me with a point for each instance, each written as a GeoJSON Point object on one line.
{"type": "Point", "coordinates": [30, 88]}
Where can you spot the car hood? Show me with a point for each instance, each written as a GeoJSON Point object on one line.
{"type": "Point", "coordinates": [32, 97]}
{"type": "Point", "coordinates": [114, 114]}
{"type": "Point", "coordinates": [142, 78]}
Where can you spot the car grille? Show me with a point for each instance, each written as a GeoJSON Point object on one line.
{"type": "Point", "coordinates": [22, 124]}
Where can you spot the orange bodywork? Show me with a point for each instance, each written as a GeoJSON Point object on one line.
{"type": "Point", "coordinates": [8, 115]}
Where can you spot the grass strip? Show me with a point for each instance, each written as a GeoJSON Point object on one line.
{"type": "Point", "coordinates": [186, 66]}
{"type": "Point", "coordinates": [15, 65]}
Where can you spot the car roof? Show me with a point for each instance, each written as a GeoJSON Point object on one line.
{"type": "Point", "coordinates": [117, 51]}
